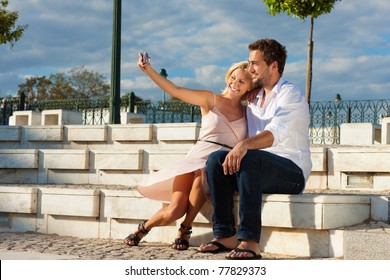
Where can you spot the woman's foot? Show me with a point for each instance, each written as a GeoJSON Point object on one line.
{"type": "Point", "coordinates": [183, 237]}
{"type": "Point", "coordinates": [218, 245]}
{"type": "Point", "coordinates": [134, 238]}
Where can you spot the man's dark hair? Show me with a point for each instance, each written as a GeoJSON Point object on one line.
{"type": "Point", "coordinates": [272, 51]}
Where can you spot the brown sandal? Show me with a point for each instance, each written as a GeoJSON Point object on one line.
{"type": "Point", "coordinates": [134, 236]}
{"type": "Point", "coordinates": [182, 241]}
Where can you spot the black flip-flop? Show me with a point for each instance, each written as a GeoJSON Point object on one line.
{"type": "Point", "coordinates": [220, 248]}
{"type": "Point", "coordinates": [239, 250]}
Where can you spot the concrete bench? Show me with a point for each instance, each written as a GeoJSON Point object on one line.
{"type": "Point", "coordinates": [385, 130]}
{"type": "Point", "coordinates": [305, 225]}
{"type": "Point", "coordinates": [360, 134]}
{"type": "Point", "coordinates": [131, 118]}
{"type": "Point", "coordinates": [9, 133]}
{"type": "Point", "coordinates": [61, 117]}
{"type": "Point", "coordinates": [353, 168]}
{"type": "Point", "coordinates": [25, 118]}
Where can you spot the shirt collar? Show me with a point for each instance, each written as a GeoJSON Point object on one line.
{"type": "Point", "coordinates": [278, 86]}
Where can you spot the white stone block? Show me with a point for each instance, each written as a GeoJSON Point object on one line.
{"type": "Point", "coordinates": [317, 181]}
{"type": "Point", "coordinates": [295, 242]}
{"type": "Point", "coordinates": [118, 160]}
{"type": "Point", "coordinates": [18, 199]}
{"type": "Point", "coordinates": [19, 158]}
{"type": "Point", "coordinates": [336, 243]}
{"type": "Point", "coordinates": [350, 163]}
{"type": "Point", "coordinates": [159, 159]}
{"type": "Point", "coordinates": [318, 178]}
{"type": "Point", "coordinates": [70, 202]}
{"type": "Point", "coordinates": [81, 227]}
{"type": "Point", "coordinates": [44, 133]}
{"type": "Point", "coordinates": [127, 118]}
{"type": "Point", "coordinates": [65, 176]}
{"type": "Point", "coordinates": [117, 177]}
{"type": "Point", "coordinates": [319, 159]}
{"type": "Point", "coordinates": [21, 222]}
{"type": "Point", "coordinates": [360, 134]}
{"type": "Point", "coordinates": [66, 159]}
{"type": "Point", "coordinates": [292, 215]}
{"type": "Point", "coordinates": [61, 117]}
{"type": "Point", "coordinates": [385, 130]}
{"type": "Point", "coordinates": [380, 208]}
{"type": "Point", "coordinates": [343, 214]}
{"type": "Point", "coordinates": [368, 159]}
{"type": "Point", "coordinates": [89, 133]}
{"type": "Point", "coordinates": [25, 118]}
{"type": "Point", "coordinates": [128, 205]}
{"type": "Point", "coordinates": [134, 132]}
{"type": "Point", "coordinates": [178, 131]}
{"type": "Point", "coordinates": [314, 211]}
{"type": "Point", "coordinates": [9, 133]}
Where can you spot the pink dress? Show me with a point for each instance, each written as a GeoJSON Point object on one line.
{"type": "Point", "coordinates": [215, 127]}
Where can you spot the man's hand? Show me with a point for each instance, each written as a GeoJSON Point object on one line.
{"type": "Point", "coordinates": [233, 159]}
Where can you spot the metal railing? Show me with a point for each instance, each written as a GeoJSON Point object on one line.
{"type": "Point", "coordinates": [325, 119]}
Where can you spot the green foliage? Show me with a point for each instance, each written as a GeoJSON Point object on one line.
{"type": "Point", "coordinates": [9, 33]}
{"type": "Point", "coordinates": [300, 8]}
{"type": "Point", "coordinates": [77, 83]}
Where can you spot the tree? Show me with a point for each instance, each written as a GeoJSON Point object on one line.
{"type": "Point", "coordinates": [9, 33]}
{"type": "Point", "coordinates": [303, 9]}
{"type": "Point", "coordinates": [77, 83]}
{"type": "Point", "coordinates": [88, 84]}
{"type": "Point", "coordinates": [35, 88]}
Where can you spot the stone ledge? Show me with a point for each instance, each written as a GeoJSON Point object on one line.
{"type": "Point", "coordinates": [70, 202]}
{"type": "Point", "coordinates": [18, 199]}
{"type": "Point", "coordinates": [15, 158]}
{"type": "Point", "coordinates": [111, 211]}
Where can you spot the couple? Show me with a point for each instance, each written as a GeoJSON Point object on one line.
{"type": "Point", "coordinates": [261, 148]}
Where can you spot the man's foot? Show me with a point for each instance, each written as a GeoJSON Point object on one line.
{"type": "Point", "coordinates": [218, 245]}
{"type": "Point", "coordinates": [246, 250]}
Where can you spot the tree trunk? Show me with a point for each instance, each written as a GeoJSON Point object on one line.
{"type": "Point", "coordinates": [309, 70]}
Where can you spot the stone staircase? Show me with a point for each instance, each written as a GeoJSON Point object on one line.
{"type": "Point", "coordinates": [310, 225]}
{"type": "Point", "coordinates": [76, 180]}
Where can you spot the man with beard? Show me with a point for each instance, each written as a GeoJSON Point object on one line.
{"type": "Point", "coordinates": [275, 158]}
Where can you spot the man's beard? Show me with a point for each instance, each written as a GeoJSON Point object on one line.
{"type": "Point", "coordinates": [258, 83]}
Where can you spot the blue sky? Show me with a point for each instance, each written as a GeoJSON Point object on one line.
{"type": "Point", "coordinates": [197, 40]}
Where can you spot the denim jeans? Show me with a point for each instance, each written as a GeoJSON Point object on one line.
{"type": "Point", "coordinates": [260, 172]}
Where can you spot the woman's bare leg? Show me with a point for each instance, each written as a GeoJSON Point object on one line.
{"type": "Point", "coordinates": [196, 201]}
{"type": "Point", "coordinates": [176, 208]}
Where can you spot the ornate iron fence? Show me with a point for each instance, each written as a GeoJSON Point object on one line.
{"type": "Point", "coordinates": [325, 119]}
{"type": "Point", "coordinates": [173, 111]}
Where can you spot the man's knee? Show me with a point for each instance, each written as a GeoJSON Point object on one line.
{"type": "Point", "coordinates": [216, 158]}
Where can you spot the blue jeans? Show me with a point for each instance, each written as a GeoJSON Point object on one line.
{"type": "Point", "coordinates": [260, 172]}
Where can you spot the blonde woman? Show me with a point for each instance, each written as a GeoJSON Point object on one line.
{"type": "Point", "coordinates": [181, 184]}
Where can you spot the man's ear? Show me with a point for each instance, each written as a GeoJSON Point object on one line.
{"type": "Point", "coordinates": [274, 66]}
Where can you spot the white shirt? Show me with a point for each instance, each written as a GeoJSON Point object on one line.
{"type": "Point", "coordinates": [285, 113]}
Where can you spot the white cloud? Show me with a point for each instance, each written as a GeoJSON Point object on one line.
{"type": "Point", "coordinates": [197, 40]}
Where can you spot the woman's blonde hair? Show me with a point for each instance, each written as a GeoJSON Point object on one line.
{"type": "Point", "coordinates": [239, 65]}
